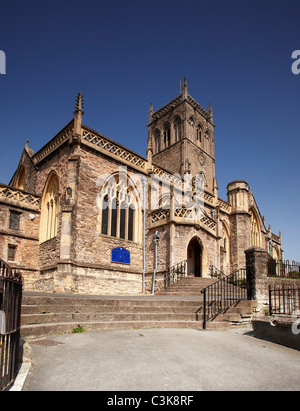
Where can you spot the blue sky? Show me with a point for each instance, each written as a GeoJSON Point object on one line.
{"type": "Point", "coordinates": [124, 54]}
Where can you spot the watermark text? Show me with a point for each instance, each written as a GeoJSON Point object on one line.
{"type": "Point", "coordinates": [2, 62]}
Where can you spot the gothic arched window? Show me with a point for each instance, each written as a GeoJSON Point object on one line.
{"type": "Point", "coordinates": [191, 123]}
{"type": "Point", "coordinates": [255, 230]}
{"type": "Point", "coordinates": [157, 141]}
{"type": "Point", "coordinates": [50, 209]}
{"type": "Point", "coordinates": [199, 133]}
{"type": "Point", "coordinates": [177, 128]}
{"type": "Point", "coordinates": [167, 135]}
{"type": "Point", "coordinates": [118, 203]}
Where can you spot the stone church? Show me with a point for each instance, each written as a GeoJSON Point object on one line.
{"type": "Point", "coordinates": [87, 215]}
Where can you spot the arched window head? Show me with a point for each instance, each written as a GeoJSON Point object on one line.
{"type": "Point", "coordinates": [50, 209]}
{"type": "Point", "coordinates": [255, 230]}
{"type": "Point", "coordinates": [177, 128]}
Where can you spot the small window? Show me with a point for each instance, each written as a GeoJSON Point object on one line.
{"type": "Point", "coordinates": [12, 252]}
{"type": "Point", "coordinates": [14, 220]}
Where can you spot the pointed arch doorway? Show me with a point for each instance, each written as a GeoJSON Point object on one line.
{"type": "Point", "coordinates": [194, 257]}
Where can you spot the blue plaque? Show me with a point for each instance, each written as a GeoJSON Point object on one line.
{"type": "Point", "coordinates": [120, 255]}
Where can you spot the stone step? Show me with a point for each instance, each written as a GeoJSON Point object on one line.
{"type": "Point", "coordinates": [28, 319]}
{"type": "Point", "coordinates": [40, 330]}
{"type": "Point", "coordinates": [93, 309]}
{"type": "Point", "coordinates": [113, 301]}
{"type": "Point", "coordinates": [53, 314]}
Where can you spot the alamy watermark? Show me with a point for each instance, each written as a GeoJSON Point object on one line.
{"type": "Point", "coordinates": [296, 64]}
{"type": "Point", "coordinates": [187, 194]}
{"type": "Point", "coordinates": [2, 322]}
{"type": "Point", "coordinates": [2, 62]}
{"type": "Point", "coordinates": [296, 323]}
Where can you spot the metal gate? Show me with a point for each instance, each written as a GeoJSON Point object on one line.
{"type": "Point", "coordinates": [10, 322]}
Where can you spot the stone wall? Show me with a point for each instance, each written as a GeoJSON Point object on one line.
{"type": "Point", "coordinates": [258, 281]}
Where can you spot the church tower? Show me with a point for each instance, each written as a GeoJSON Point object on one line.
{"type": "Point", "coordinates": [181, 138]}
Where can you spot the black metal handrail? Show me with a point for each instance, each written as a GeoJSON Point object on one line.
{"type": "Point", "coordinates": [223, 294]}
{"type": "Point", "coordinates": [175, 273]}
{"type": "Point", "coordinates": [216, 273]}
{"type": "Point", "coordinates": [10, 323]}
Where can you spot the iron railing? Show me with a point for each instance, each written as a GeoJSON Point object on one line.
{"type": "Point", "coordinates": [175, 273]}
{"type": "Point", "coordinates": [284, 300]}
{"type": "Point", "coordinates": [10, 315]}
{"type": "Point", "coordinates": [223, 294]}
{"type": "Point", "coordinates": [216, 273]}
{"type": "Point", "coordinates": [283, 269]}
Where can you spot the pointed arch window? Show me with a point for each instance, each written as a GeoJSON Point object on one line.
{"type": "Point", "coordinates": [255, 230]}
{"type": "Point", "coordinates": [167, 135]}
{"type": "Point", "coordinates": [157, 140]}
{"type": "Point", "coordinates": [118, 208]}
{"type": "Point", "coordinates": [177, 128]}
{"type": "Point", "coordinates": [50, 209]}
{"type": "Point", "coordinates": [199, 133]}
{"type": "Point", "coordinates": [191, 122]}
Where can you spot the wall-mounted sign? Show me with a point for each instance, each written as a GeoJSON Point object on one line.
{"type": "Point", "coordinates": [120, 255]}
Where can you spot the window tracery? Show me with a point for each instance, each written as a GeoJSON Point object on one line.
{"type": "Point", "coordinates": [119, 208]}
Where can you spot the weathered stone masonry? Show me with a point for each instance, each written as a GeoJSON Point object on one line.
{"type": "Point", "coordinates": [65, 239]}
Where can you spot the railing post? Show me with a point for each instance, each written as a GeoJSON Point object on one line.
{"type": "Point", "coordinates": [204, 308]}
{"type": "Point", "coordinates": [270, 300]}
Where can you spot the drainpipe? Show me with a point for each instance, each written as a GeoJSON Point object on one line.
{"type": "Point", "coordinates": [145, 182]}
{"type": "Point", "coordinates": [155, 239]}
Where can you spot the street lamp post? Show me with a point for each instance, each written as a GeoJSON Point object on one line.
{"type": "Point", "coordinates": [156, 240]}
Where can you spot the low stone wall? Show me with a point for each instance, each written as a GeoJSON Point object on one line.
{"type": "Point", "coordinates": [76, 279]}
{"type": "Point", "coordinates": [278, 329]}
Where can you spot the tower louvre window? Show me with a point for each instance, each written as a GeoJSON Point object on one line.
{"type": "Point", "coordinates": [157, 140]}
{"type": "Point", "coordinates": [167, 135]}
{"type": "Point", "coordinates": [199, 133]}
{"type": "Point", "coordinates": [177, 128]}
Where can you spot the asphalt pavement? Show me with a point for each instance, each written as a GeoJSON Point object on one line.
{"type": "Point", "coordinates": [161, 360]}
